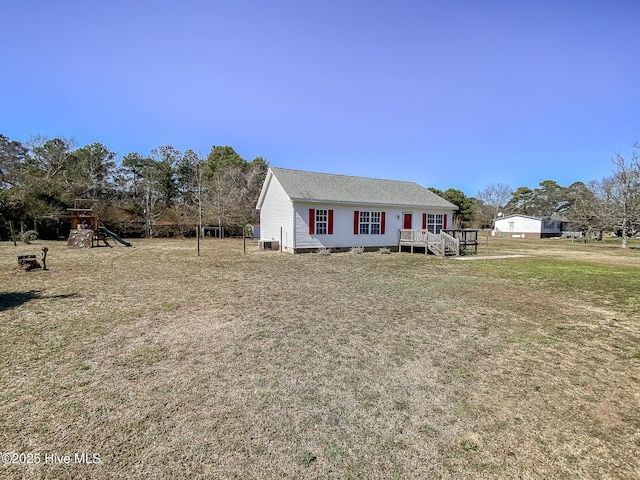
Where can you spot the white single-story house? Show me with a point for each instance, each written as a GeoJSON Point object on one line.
{"type": "Point", "coordinates": [527, 226]}
{"type": "Point", "coordinates": [304, 211]}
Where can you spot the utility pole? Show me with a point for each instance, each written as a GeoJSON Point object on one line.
{"type": "Point", "coordinates": [199, 183]}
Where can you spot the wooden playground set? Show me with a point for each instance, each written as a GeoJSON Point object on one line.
{"type": "Point", "coordinates": [86, 232]}
{"type": "Point", "coordinates": [86, 229]}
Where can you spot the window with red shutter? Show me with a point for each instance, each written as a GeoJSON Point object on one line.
{"type": "Point", "coordinates": [322, 221]}
{"type": "Point", "coordinates": [368, 223]}
{"type": "Point", "coordinates": [435, 222]}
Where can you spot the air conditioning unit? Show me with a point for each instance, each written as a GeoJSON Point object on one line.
{"type": "Point", "coordinates": [269, 245]}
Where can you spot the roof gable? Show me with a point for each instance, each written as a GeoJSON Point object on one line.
{"type": "Point", "coordinates": [520, 215]}
{"type": "Point", "coordinates": [531, 217]}
{"type": "Point", "coordinates": [332, 188]}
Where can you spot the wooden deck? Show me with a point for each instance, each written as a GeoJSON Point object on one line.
{"type": "Point", "coordinates": [467, 238]}
{"type": "Point", "coordinates": [445, 243]}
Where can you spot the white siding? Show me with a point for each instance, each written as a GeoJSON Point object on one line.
{"type": "Point", "coordinates": [518, 225]}
{"type": "Point", "coordinates": [276, 215]}
{"type": "Point", "coordinates": [416, 217]}
{"type": "Point", "coordinates": [343, 226]}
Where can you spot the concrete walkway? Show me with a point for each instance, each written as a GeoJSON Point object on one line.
{"type": "Point", "coordinates": [489, 257]}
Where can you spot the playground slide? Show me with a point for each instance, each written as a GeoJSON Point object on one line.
{"type": "Point", "coordinates": [115, 237]}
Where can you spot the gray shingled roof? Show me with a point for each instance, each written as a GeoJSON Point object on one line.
{"type": "Point", "coordinates": [326, 187]}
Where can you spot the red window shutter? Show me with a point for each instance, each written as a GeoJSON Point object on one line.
{"type": "Point", "coordinates": [312, 220]}
{"type": "Point", "coordinates": [444, 226]}
{"type": "Point", "coordinates": [330, 220]}
{"type": "Point", "coordinates": [424, 221]}
{"type": "Point", "coordinates": [382, 219]}
{"type": "Point", "coordinates": [356, 220]}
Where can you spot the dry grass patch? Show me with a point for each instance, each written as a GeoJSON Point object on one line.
{"type": "Point", "coordinates": [313, 366]}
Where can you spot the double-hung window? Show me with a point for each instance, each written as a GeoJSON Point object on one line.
{"type": "Point", "coordinates": [435, 222]}
{"type": "Point", "coordinates": [364, 223]}
{"type": "Point", "coordinates": [375, 223]}
{"type": "Point", "coordinates": [322, 221]}
{"type": "Point", "coordinates": [368, 223]}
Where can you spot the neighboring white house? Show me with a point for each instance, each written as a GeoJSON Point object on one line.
{"type": "Point", "coordinates": [304, 211]}
{"type": "Point", "coordinates": [527, 226]}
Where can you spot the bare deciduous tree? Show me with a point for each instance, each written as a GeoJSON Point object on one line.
{"type": "Point", "coordinates": [235, 193]}
{"type": "Point", "coordinates": [588, 209]}
{"type": "Point", "coordinates": [491, 201]}
{"type": "Point", "coordinates": [622, 196]}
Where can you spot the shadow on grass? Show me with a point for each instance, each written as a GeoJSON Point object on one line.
{"type": "Point", "coordinates": [15, 299]}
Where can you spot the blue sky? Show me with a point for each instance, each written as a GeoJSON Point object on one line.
{"type": "Point", "coordinates": [446, 93]}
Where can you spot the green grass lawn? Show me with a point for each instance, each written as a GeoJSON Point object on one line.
{"type": "Point", "coordinates": [269, 365]}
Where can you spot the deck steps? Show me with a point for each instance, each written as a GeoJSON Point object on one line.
{"type": "Point", "coordinates": [444, 244]}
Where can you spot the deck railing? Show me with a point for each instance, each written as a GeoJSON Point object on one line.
{"type": "Point", "coordinates": [440, 244]}
{"type": "Point", "coordinates": [447, 242]}
{"type": "Point", "coordinates": [451, 244]}
{"type": "Point", "coordinates": [467, 238]}
{"type": "Point", "coordinates": [417, 237]}
{"type": "Point", "coordinates": [435, 243]}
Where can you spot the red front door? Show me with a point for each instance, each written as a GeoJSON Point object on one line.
{"type": "Point", "coordinates": [407, 221]}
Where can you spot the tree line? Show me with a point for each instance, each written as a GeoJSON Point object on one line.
{"type": "Point", "coordinates": [167, 192]}
{"type": "Point", "coordinates": [170, 192]}
{"type": "Point", "coordinates": [610, 204]}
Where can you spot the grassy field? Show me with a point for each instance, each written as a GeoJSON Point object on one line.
{"type": "Point", "coordinates": [267, 365]}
